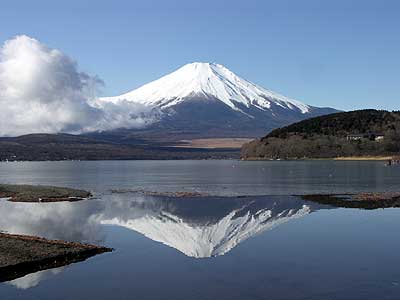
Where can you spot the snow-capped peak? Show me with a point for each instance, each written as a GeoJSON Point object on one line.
{"type": "Point", "coordinates": [208, 80]}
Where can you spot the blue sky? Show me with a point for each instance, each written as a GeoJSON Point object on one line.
{"type": "Point", "coordinates": [342, 53]}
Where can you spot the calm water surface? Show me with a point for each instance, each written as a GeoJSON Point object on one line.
{"type": "Point", "coordinates": [216, 177]}
{"type": "Point", "coordinates": [274, 246]}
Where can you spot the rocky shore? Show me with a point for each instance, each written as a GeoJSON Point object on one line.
{"type": "Point", "coordinates": [21, 255]}
{"type": "Point", "coordinates": [360, 200]}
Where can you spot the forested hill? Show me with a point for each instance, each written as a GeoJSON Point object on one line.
{"type": "Point", "coordinates": [352, 133]}
{"type": "Point", "coordinates": [342, 124]}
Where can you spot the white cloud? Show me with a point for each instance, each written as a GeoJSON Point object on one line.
{"type": "Point", "coordinates": [42, 90]}
{"type": "Point", "coordinates": [123, 114]}
{"type": "Point", "coordinates": [32, 280]}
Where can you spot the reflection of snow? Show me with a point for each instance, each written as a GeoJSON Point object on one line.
{"type": "Point", "coordinates": [211, 239]}
{"type": "Point", "coordinates": [34, 279]}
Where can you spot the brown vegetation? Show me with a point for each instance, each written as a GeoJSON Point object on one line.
{"type": "Point", "coordinates": [361, 200]}
{"type": "Point", "coordinates": [214, 143]}
{"type": "Point", "coordinates": [179, 194]}
{"type": "Point", "coordinates": [21, 255]}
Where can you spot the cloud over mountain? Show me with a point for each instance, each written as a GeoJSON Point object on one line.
{"type": "Point", "coordinates": [42, 90]}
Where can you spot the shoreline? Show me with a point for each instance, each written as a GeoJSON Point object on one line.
{"type": "Point", "coordinates": [361, 200]}
{"type": "Point", "coordinates": [344, 158]}
{"type": "Point", "coordinates": [21, 255]}
{"type": "Point", "coordinates": [41, 193]}
{"type": "Point", "coordinates": [366, 158]}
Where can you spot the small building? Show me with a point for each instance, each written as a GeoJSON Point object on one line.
{"type": "Point", "coordinates": [366, 136]}
{"type": "Point", "coordinates": [355, 137]}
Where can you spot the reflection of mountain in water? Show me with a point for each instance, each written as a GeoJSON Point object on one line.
{"type": "Point", "coordinates": [198, 227]}
{"type": "Point", "coordinates": [206, 227]}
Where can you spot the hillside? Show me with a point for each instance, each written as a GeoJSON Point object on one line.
{"type": "Point", "coordinates": [41, 147]}
{"type": "Point", "coordinates": [356, 133]}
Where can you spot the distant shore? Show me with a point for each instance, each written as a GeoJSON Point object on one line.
{"type": "Point", "coordinates": [379, 158]}
{"type": "Point", "coordinates": [345, 158]}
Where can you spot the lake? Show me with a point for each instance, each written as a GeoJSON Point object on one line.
{"type": "Point", "coordinates": [252, 238]}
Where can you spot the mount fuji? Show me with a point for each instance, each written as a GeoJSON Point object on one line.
{"type": "Point", "coordinates": [209, 100]}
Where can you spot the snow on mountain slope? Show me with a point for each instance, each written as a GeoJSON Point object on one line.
{"type": "Point", "coordinates": [208, 80]}
{"type": "Point", "coordinates": [209, 239]}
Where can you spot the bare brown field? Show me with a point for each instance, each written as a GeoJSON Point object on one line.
{"type": "Point", "coordinates": [214, 143]}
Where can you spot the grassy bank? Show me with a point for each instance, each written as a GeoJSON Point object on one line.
{"type": "Point", "coordinates": [39, 193]}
